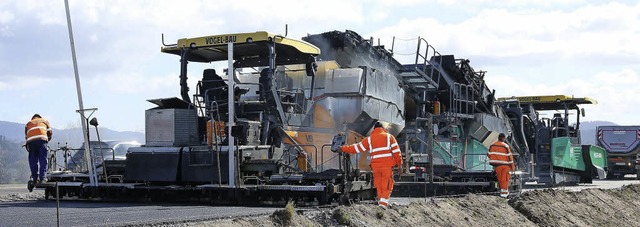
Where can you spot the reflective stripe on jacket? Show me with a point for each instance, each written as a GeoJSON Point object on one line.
{"type": "Point", "coordinates": [37, 129]}
{"type": "Point", "coordinates": [382, 146]}
{"type": "Point", "coordinates": [500, 154]}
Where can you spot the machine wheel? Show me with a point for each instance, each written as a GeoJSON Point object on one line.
{"type": "Point", "coordinates": [323, 199]}
{"type": "Point", "coordinates": [343, 200]}
{"type": "Point", "coordinates": [638, 174]}
{"type": "Point", "coordinates": [47, 193]}
{"type": "Point", "coordinates": [587, 176]}
{"type": "Point", "coordinates": [610, 175]}
{"type": "Point", "coordinates": [515, 186]}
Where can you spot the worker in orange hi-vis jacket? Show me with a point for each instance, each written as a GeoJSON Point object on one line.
{"type": "Point", "coordinates": [37, 133]}
{"type": "Point", "coordinates": [501, 159]}
{"type": "Point", "coordinates": [385, 154]}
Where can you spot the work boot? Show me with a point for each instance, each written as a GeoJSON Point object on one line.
{"type": "Point", "coordinates": [504, 193]}
{"type": "Point", "coordinates": [43, 180]}
{"type": "Point", "coordinates": [30, 185]}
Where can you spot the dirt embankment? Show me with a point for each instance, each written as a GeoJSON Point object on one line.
{"type": "Point", "coordinates": [592, 207]}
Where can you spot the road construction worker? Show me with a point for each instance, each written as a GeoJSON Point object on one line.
{"type": "Point", "coordinates": [385, 154]}
{"type": "Point", "coordinates": [37, 134]}
{"type": "Point", "coordinates": [501, 159]}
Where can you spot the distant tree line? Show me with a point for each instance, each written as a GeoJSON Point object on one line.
{"type": "Point", "coordinates": [14, 164]}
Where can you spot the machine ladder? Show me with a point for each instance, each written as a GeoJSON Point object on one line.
{"type": "Point", "coordinates": [544, 166]}
{"type": "Point", "coordinates": [424, 74]}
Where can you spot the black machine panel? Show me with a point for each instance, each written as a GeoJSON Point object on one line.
{"type": "Point", "coordinates": [152, 164]}
{"type": "Point", "coordinates": [200, 165]}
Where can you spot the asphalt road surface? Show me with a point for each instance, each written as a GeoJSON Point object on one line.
{"type": "Point", "coordinates": [87, 213]}
{"type": "Point", "coordinates": [74, 213]}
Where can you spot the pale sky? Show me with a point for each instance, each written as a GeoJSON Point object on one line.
{"type": "Point", "coordinates": [527, 47]}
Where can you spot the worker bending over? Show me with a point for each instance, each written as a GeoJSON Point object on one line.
{"type": "Point", "coordinates": [501, 159]}
{"type": "Point", "coordinates": [385, 154]}
{"type": "Point", "coordinates": [37, 134]}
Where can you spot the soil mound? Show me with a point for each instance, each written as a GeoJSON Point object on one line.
{"type": "Point", "coordinates": [591, 207]}
{"type": "Point", "coordinates": [550, 207]}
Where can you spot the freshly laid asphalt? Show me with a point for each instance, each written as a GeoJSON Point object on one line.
{"type": "Point", "coordinates": [42, 212]}
{"type": "Point", "coordinates": [35, 211]}
{"type": "Point", "coordinates": [83, 213]}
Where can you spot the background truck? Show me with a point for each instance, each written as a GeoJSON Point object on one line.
{"type": "Point", "coordinates": [622, 144]}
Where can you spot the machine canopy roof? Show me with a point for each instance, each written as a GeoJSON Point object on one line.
{"type": "Point", "coordinates": [551, 102]}
{"type": "Point", "coordinates": [249, 49]}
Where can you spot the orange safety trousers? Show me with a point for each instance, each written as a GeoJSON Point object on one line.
{"type": "Point", "coordinates": [383, 180]}
{"type": "Point", "coordinates": [502, 172]}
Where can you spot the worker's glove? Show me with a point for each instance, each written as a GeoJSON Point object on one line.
{"type": "Point", "coordinates": [337, 149]}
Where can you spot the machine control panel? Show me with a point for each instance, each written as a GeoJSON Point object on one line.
{"type": "Point", "coordinates": [337, 141]}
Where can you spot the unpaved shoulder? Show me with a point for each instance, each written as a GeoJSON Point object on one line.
{"type": "Point", "coordinates": [591, 207]}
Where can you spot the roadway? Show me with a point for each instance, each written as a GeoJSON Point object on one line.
{"type": "Point", "coordinates": [21, 208]}
{"type": "Point", "coordinates": [30, 209]}
{"type": "Point", "coordinates": [84, 213]}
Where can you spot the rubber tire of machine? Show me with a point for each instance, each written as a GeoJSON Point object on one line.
{"type": "Point", "coordinates": [343, 200]}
